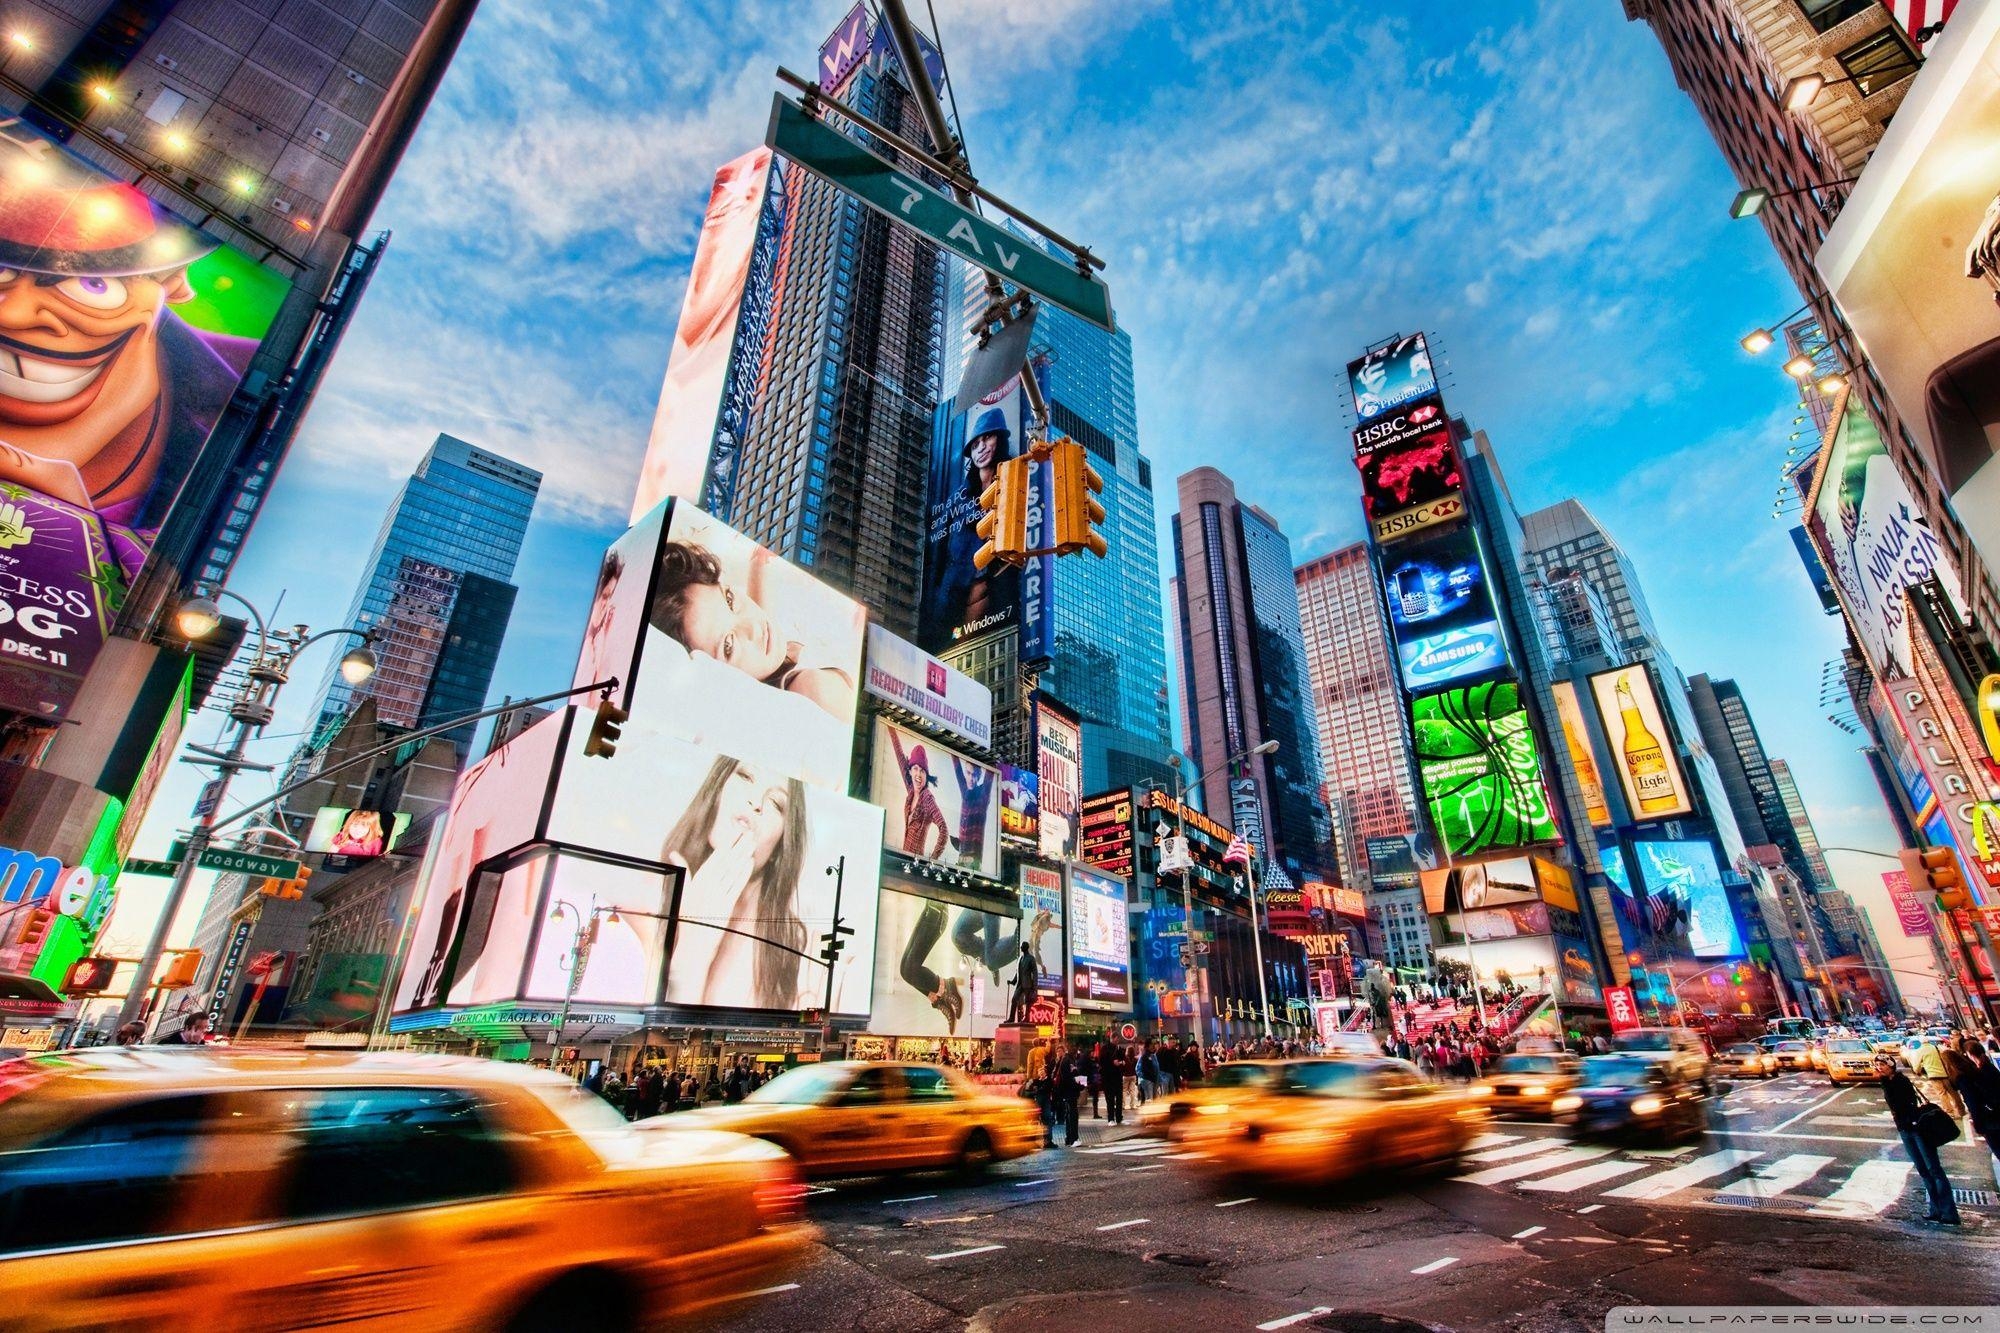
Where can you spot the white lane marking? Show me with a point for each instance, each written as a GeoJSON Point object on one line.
{"type": "Point", "coordinates": [1808, 1138]}
{"type": "Point", "coordinates": [1531, 1231]}
{"type": "Point", "coordinates": [1590, 1208]}
{"type": "Point", "coordinates": [1492, 1140]}
{"type": "Point", "coordinates": [914, 1198]}
{"type": "Point", "coordinates": [1152, 1166]}
{"type": "Point", "coordinates": [1741, 1110]}
{"type": "Point", "coordinates": [1494, 1175]}
{"type": "Point", "coordinates": [1041, 1180]}
{"type": "Point", "coordinates": [1681, 1177]}
{"type": "Point", "coordinates": [1769, 1180]}
{"type": "Point", "coordinates": [1434, 1265]}
{"type": "Point", "coordinates": [819, 1189]}
{"type": "Point", "coordinates": [1569, 1182]}
{"type": "Point", "coordinates": [1808, 1111]}
{"type": "Point", "coordinates": [1656, 1154]}
{"type": "Point", "coordinates": [1142, 1147]}
{"type": "Point", "coordinates": [1232, 1203]}
{"type": "Point", "coordinates": [1182, 1156]}
{"type": "Point", "coordinates": [1299, 1318]}
{"type": "Point", "coordinates": [1872, 1187]}
{"type": "Point", "coordinates": [960, 1254]}
{"type": "Point", "coordinates": [765, 1291]}
{"type": "Point", "coordinates": [1528, 1149]}
{"type": "Point", "coordinates": [1120, 1226]}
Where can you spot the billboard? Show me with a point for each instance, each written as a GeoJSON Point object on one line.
{"type": "Point", "coordinates": [1582, 756]}
{"type": "Point", "coordinates": [614, 633]}
{"type": "Point", "coordinates": [1100, 942]}
{"type": "Point", "coordinates": [1911, 912]}
{"type": "Point", "coordinates": [1687, 873]}
{"type": "Point", "coordinates": [1392, 863]}
{"type": "Point", "coordinates": [1579, 975]}
{"type": "Point", "coordinates": [1104, 832]}
{"type": "Point", "coordinates": [942, 970]}
{"type": "Point", "coordinates": [355, 834]}
{"type": "Point", "coordinates": [686, 425]}
{"type": "Point", "coordinates": [1042, 908]}
{"type": "Point", "coordinates": [1914, 263]}
{"type": "Point", "coordinates": [1412, 483]}
{"type": "Point", "coordinates": [746, 654]}
{"type": "Point", "coordinates": [940, 805]}
{"type": "Point", "coordinates": [1020, 802]}
{"type": "Point", "coordinates": [1505, 882]}
{"type": "Point", "coordinates": [1641, 744]}
{"type": "Point", "coordinates": [1441, 610]}
{"type": "Point", "coordinates": [1504, 923]}
{"type": "Point", "coordinates": [127, 333]}
{"type": "Point", "coordinates": [1391, 376]}
{"type": "Point", "coordinates": [904, 675]}
{"type": "Point", "coordinates": [961, 601]}
{"type": "Point", "coordinates": [1871, 536]}
{"type": "Point", "coordinates": [1557, 884]}
{"type": "Point", "coordinates": [1059, 758]}
{"type": "Point", "coordinates": [1481, 769]}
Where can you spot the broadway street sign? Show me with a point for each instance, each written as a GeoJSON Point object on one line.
{"type": "Point", "coordinates": [828, 153]}
{"type": "Point", "coordinates": [249, 863]}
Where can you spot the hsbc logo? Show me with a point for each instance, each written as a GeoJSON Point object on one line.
{"type": "Point", "coordinates": [1403, 424]}
{"type": "Point", "coordinates": [1406, 521]}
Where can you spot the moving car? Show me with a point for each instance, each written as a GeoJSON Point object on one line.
{"type": "Point", "coordinates": [1225, 1085]}
{"type": "Point", "coordinates": [1679, 1048]}
{"type": "Point", "coordinates": [1816, 1052]}
{"type": "Point", "coordinates": [159, 1187]}
{"type": "Point", "coordinates": [1792, 1056]}
{"type": "Point", "coordinates": [867, 1117]}
{"type": "Point", "coordinates": [1527, 1084]}
{"type": "Point", "coordinates": [1850, 1060]}
{"type": "Point", "coordinates": [1634, 1096]}
{"type": "Point", "coordinates": [1331, 1120]}
{"type": "Point", "coordinates": [1746, 1060]}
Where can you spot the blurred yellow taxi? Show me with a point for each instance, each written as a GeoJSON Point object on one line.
{"type": "Point", "coordinates": [858, 1118]}
{"type": "Point", "coordinates": [154, 1188]}
{"type": "Point", "coordinates": [1527, 1084]}
{"type": "Point", "coordinates": [1746, 1060]}
{"type": "Point", "coordinates": [1165, 1116]}
{"type": "Point", "coordinates": [1850, 1060]}
{"type": "Point", "coordinates": [1329, 1120]}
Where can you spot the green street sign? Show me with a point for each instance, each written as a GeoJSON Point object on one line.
{"type": "Point", "coordinates": [165, 869]}
{"type": "Point", "coordinates": [249, 863]}
{"type": "Point", "coordinates": [891, 190]}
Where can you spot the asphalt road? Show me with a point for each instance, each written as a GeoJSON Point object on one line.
{"type": "Point", "coordinates": [1797, 1195]}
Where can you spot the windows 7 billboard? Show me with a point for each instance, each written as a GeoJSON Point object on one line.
{"type": "Point", "coordinates": [1481, 769]}
{"type": "Point", "coordinates": [1442, 610]}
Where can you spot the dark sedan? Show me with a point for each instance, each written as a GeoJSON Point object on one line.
{"type": "Point", "coordinates": [1631, 1096]}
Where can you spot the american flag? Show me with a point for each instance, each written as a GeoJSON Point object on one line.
{"type": "Point", "coordinates": [1237, 853]}
{"type": "Point", "coordinates": [1916, 15]}
{"type": "Point", "coordinates": [1665, 909]}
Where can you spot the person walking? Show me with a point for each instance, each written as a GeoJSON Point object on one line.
{"type": "Point", "coordinates": [1071, 1079]}
{"type": "Point", "coordinates": [1111, 1077]}
{"type": "Point", "coordinates": [1168, 1059]}
{"type": "Point", "coordinates": [1037, 1082]}
{"type": "Point", "coordinates": [1979, 1088]}
{"type": "Point", "coordinates": [1929, 1062]}
{"type": "Point", "coordinates": [1148, 1068]}
{"type": "Point", "coordinates": [1904, 1104]}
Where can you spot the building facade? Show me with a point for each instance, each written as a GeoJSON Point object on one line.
{"type": "Point", "coordinates": [1246, 677]}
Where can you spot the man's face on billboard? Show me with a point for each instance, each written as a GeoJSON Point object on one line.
{"type": "Point", "coordinates": [79, 361]}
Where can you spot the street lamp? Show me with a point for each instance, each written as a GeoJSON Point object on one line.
{"type": "Point", "coordinates": [1750, 201]}
{"type": "Point", "coordinates": [251, 709]}
{"type": "Point", "coordinates": [1187, 878]}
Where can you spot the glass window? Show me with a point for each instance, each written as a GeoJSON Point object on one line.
{"type": "Point", "coordinates": [1879, 61]}
{"type": "Point", "coordinates": [362, 1150]}
{"type": "Point", "coordinates": [117, 1176]}
{"type": "Point", "coordinates": [1824, 14]}
{"type": "Point", "coordinates": [929, 1085]}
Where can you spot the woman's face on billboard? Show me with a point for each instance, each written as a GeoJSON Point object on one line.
{"type": "Point", "coordinates": [753, 806]}
{"type": "Point", "coordinates": [729, 625]}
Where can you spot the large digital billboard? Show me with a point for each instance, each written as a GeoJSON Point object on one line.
{"type": "Point", "coordinates": [942, 970]}
{"type": "Point", "coordinates": [1442, 610]}
{"type": "Point", "coordinates": [1390, 376]}
{"type": "Point", "coordinates": [614, 633]}
{"type": "Point", "coordinates": [1042, 908]}
{"type": "Point", "coordinates": [1020, 802]}
{"type": "Point", "coordinates": [1481, 769]}
{"type": "Point", "coordinates": [1914, 263]}
{"type": "Point", "coordinates": [355, 834]}
{"type": "Point", "coordinates": [687, 424]}
{"type": "Point", "coordinates": [905, 676]}
{"type": "Point", "coordinates": [1582, 755]}
{"type": "Point", "coordinates": [1413, 483]}
{"type": "Point", "coordinates": [126, 334]}
{"type": "Point", "coordinates": [1687, 873]}
{"type": "Point", "coordinates": [1059, 761]}
{"type": "Point", "coordinates": [1100, 942]}
{"type": "Point", "coordinates": [746, 654]}
{"type": "Point", "coordinates": [1641, 744]}
{"type": "Point", "coordinates": [1104, 832]}
{"type": "Point", "coordinates": [940, 805]}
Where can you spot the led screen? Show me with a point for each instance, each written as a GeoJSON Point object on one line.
{"type": "Point", "coordinates": [613, 634]}
{"type": "Point", "coordinates": [1390, 376]}
{"type": "Point", "coordinates": [943, 970]}
{"type": "Point", "coordinates": [1687, 873]}
{"type": "Point", "coordinates": [940, 805]}
{"type": "Point", "coordinates": [356, 834]}
{"type": "Point", "coordinates": [1481, 769]}
{"type": "Point", "coordinates": [1100, 942]}
{"type": "Point", "coordinates": [1441, 610]}
{"type": "Point", "coordinates": [1641, 744]}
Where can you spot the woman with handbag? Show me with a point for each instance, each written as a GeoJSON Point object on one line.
{"type": "Point", "coordinates": [1924, 1128]}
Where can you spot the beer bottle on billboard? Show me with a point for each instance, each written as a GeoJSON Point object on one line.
{"type": "Point", "coordinates": [1587, 777]}
{"type": "Point", "coordinates": [1652, 780]}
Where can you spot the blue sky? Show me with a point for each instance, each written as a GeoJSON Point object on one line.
{"type": "Point", "coordinates": [1274, 185]}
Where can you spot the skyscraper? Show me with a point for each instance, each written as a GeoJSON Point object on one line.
{"type": "Point", "coordinates": [1245, 668]}
{"type": "Point", "coordinates": [438, 591]}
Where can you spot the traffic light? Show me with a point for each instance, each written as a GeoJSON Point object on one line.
{"type": "Point", "coordinates": [603, 740]}
{"type": "Point", "coordinates": [1936, 870]}
{"type": "Point", "coordinates": [1077, 511]}
{"type": "Point", "coordinates": [180, 973]}
{"type": "Point", "coordinates": [90, 976]}
{"type": "Point", "coordinates": [286, 888]}
{"type": "Point", "coordinates": [1003, 517]}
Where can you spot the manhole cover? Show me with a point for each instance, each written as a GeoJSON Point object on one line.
{"type": "Point", "coordinates": [1983, 1198]}
{"type": "Point", "coordinates": [1181, 1260]}
{"type": "Point", "coordinates": [1360, 1321]}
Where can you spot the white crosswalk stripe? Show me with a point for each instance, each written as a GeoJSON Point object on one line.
{"type": "Point", "coordinates": [1872, 1188]}
{"type": "Point", "coordinates": [1494, 1175]}
{"type": "Point", "coordinates": [1528, 1149]}
{"type": "Point", "coordinates": [1661, 1184]}
{"type": "Point", "coordinates": [1569, 1182]}
{"type": "Point", "coordinates": [1771, 1179]}
{"type": "Point", "coordinates": [1492, 1140]}
{"type": "Point", "coordinates": [1131, 1148]}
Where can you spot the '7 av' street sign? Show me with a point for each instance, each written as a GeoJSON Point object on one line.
{"type": "Point", "coordinates": [828, 153]}
{"type": "Point", "coordinates": [249, 863]}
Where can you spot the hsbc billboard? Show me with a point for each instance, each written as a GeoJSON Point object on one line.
{"type": "Point", "coordinates": [1399, 426]}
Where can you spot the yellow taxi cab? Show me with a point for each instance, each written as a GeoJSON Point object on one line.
{"type": "Point", "coordinates": [1816, 1052]}
{"type": "Point", "coordinates": [1746, 1060]}
{"type": "Point", "coordinates": [1329, 1120]}
{"type": "Point", "coordinates": [158, 1188]}
{"type": "Point", "coordinates": [1792, 1056]}
{"type": "Point", "coordinates": [1850, 1060]}
{"type": "Point", "coordinates": [1225, 1085]}
{"type": "Point", "coordinates": [858, 1118]}
{"type": "Point", "coordinates": [1527, 1083]}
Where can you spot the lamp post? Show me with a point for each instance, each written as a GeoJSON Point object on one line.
{"type": "Point", "coordinates": [1187, 878]}
{"type": "Point", "coordinates": [251, 708]}
{"type": "Point", "coordinates": [579, 959]}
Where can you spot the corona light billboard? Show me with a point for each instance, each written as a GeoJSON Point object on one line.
{"type": "Point", "coordinates": [1642, 745]}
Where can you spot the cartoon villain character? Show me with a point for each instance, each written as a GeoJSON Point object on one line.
{"type": "Point", "coordinates": [106, 395]}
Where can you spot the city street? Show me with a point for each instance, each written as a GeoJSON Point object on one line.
{"type": "Point", "coordinates": [1798, 1195]}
